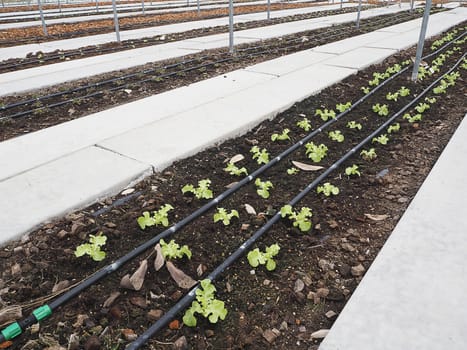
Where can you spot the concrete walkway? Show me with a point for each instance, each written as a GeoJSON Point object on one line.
{"type": "Point", "coordinates": [412, 295]}
{"type": "Point", "coordinates": [48, 173]}
{"type": "Point", "coordinates": [70, 44]}
{"type": "Point", "coordinates": [34, 78]}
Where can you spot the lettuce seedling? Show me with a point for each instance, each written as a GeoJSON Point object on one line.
{"type": "Point", "coordinates": [202, 191]}
{"type": "Point", "coordinates": [403, 91]}
{"type": "Point", "coordinates": [352, 170]}
{"type": "Point", "coordinates": [261, 156]}
{"type": "Point", "coordinates": [304, 124]}
{"type": "Point", "coordinates": [430, 100]}
{"type": "Point", "coordinates": [159, 217]}
{"type": "Point", "coordinates": [314, 152]}
{"type": "Point", "coordinates": [327, 189]}
{"type": "Point", "coordinates": [341, 107]}
{"type": "Point", "coordinates": [382, 110]}
{"type": "Point", "coordinates": [263, 187]}
{"type": "Point", "coordinates": [422, 107]}
{"type": "Point", "coordinates": [325, 114]}
{"type": "Point", "coordinates": [354, 125]}
{"type": "Point", "coordinates": [393, 128]}
{"type": "Point", "coordinates": [336, 135]}
{"type": "Point", "coordinates": [368, 155]}
{"type": "Point", "coordinates": [441, 88]}
{"type": "Point", "coordinates": [382, 139]}
{"type": "Point", "coordinates": [173, 250]}
{"type": "Point", "coordinates": [93, 248]}
{"type": "Point", "coordinates": [412, 119]}
{"type": "Point", "coordinates": [292, 171]}
{"type": "Point", "coordinates": [281, 137]}
{"type": "Point", "coordinates": [256, 257]}
{"type": "Point", "coordinates": [206, 305]}
{"type": "Point", "coordinates": [300, 219]}
{"type": "Point", "coordinates": [225, 217]}
{"type": "Point", "coordinates": [392, 96]}
{"type": "Point", "coordinates": [365, 89]}
{"type": "Point", "coordinates": [232, 169]}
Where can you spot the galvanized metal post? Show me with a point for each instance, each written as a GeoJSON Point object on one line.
{"type": "Point", "coordinates": [411, 5]}
{"type": "Point", "coordinates": [199, 10]}
{"type": "Point", "coordinates": [59, 6]}
{"type": "Point", "coordinates": [97, 5]}
{"type": "Point", "coordinates": [44, 27]}
{"type": "Point", "coordinates": [421, 40]}
{"type": "Point", "coordinates": [342, 3]}
{"type": "Point", "coordinates": [3, 3]}
{"type": "Point", "coordinates": [231, 38]}
{"type": "Point", "coordinates": [358, 13]}
{"type": "Point", "coordinates": [269, 9]}
{"type": "Point", "coordinates": [142, 5]}
{"type": "Point", "coordinates": [117, 29]}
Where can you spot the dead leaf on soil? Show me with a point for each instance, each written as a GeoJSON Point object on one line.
{"type": "Point", "coordinates": [232, 184]}
{"type": "Point", "coordinates": [236, 158]}
{"type": "Point", "coordinates": [135, 282]}
{"type": "Point", "coordinates": [306, 167]}
{"type": "Point", "coordinates": [111, 299]}
{"type": "Point", "coordinates": [250, 210]}
{"type": "Point", "coordinates": [159, 261]}
{"type": "Point", "coordinates": [60, 286]}
{"type": "Point", "coordinates": [10, 314]}
{"type": "Point", "coordinates": [320, 334]}
{"type": "Point", "coordinates": [376, 217]}
{"type": "Point", "coordinates": [183, 280]}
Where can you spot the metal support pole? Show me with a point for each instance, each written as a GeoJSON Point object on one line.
{"type": "Point", "coordinates": [197, 5]}
{"type": "Point", "coordinates": [59, 6]}
{"type": "Point", "coordinates": [421, 40]}
{"type": "Point", "coordinates": [269, 9]}
{"type": "Point", "coordinates": [97, 5]}
{"type": "Point", "coordinates": [358, 13]}
{"type": "Point", "coordinates": [117, 29]}
{"type": "Point", "coordinates": [142, 5]}
{"type": "Point", "coordinates": [411, 5]}
{"type": "Point", "coordinates": [44, 27]}
{"type": "Point", "coordinates": [231, 38]}
{"type": "Point", "coordinates": [342, 3]}
{"type": "Point", "coordinates": [3, 3]}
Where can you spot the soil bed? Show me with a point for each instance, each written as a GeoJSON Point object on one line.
{"type": "Point", "coordinates": [79, 105]}
{"type": "Point", "coordinates": [316, 272]}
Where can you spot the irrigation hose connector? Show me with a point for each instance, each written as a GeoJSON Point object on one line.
{"type": "Point", "coordinates": [15, 329]}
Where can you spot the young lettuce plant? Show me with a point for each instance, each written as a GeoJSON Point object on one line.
{"type": "Point", "coordinates": [393, 128]}
{"type": "Point", "coordinates": [300, 219]}
{"type": "Point", "coordinates": [422, 107]}
{"type": "Point", "coordinates": [352, 170]}
{"type": "Point", "coordinates": [263, 187]}
{"type": "Point", "coordinates": [159, 217]}
{"type": "Point", "coordinates": [336, 135]}
{"type": "Point", "coordinates": [261, 156]}
{"type": "Point", "coordinates": [381, 139]}
{"type": "Point", "coordinates": [368, 154]}
{"type": "Point", "coordinates": [382, 110]}
{"type": "Point", "coordinates": [225, 217]}
{"type": "Point", "coordinates": [354, 125]}
{"type": "Point", "coordinates": [93, 248]}
{"type": "Point", "coordinates": [403, 91]}
{"type": "Point", "coordinates": [314, 152]}
{"type": "Point", "coordinates": [256, 257]}
{"type": "Point", "coordinates": [392, 96]}
{"type": "Point", "coordinates": [173, 250]}
{"type": "Point", "coordinates": [327, 189]}
{"type": "Point", "coordinates": [412, 119]}
{"type": "Point", "coordinates": [341, 107]}
{"type": "Point", "coordinates": [232, 169]}
{"type": "Point", "coordinates": [202, 191]}
{"type": "Point", "coordinates": [206, 305]}
{"type": "Point", "coordinates": [304, 124]}
{"type": "Point", "coordinates": [281, 137]}
{"type": "Point", "coordinates": [292, 171]}
{"type": "Point", "coordinates": [325, 114]}
{"type": "Point", "coordinates": [365, 89]}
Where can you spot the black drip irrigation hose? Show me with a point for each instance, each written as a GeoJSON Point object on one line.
{"type": "Point", "coordinates": [188, 298]}
{"type": "Point", "coordinates": [44, 311]}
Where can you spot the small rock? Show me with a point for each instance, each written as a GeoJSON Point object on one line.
{"type": "Point", "coordinates": [110, 224]}
{"type": "Point", "coordinates": [344, 270]}
{"type": "Point", "coordinates": [299, 285]}
{"type": "Point", "coordinates": [80, 320]}
{"type": "Point", "coordinates": [176, 295]}
{"type": "Point", "coordinates": [271, 335]}
{"type": "Point", "coordinates": [319, 334]}
{"type": "Point", "coordinates": [348, 247]}
{"type": "Point", "coordinates": [201, 269]}
{"type": "Point", "coordinates": [357, 270]}
{"type": "Point", "coordinates": [245, 227]}
{"type": "Point", "coordinates": [92, 343]}
{"type": "Point", "coordinates": [333, 224]}
{"type": "Point", "coordinates": [209, 333]}
{"type": "Point", "coordinates": [229, 287]}
{"type": "Point", "coordinates": [180, 344]}
{"type": "Point", "coordinates": [302, 329]}
{"type": "Point", "coordinates": [129, 334]}
{"type": "Point", "coordinates": [154, 314]}
{"type": "Point", "coordinates": [322, 292]}
{"type": "Point", "coordinates": [62, 234]}
{"type": "Point", "coordinates": [127, 191]}
{"type": "Point", "coordinates": [16, 269]}
{"type": "Point", "coordinates": [284, 326]}
{"type": "Point", "coordinates": [325, 265]}
{"type": "Point", "coordinates": [17, 250]}
{"type": "Point", "coordinates": [116, 312]}
{"type": "Point", "coordinates": [330, 314]}
{"type": "Point", "coordinates": [35, 328]}
{"type": "Point", "coordinates": [111, 299]}
{"type": "Point", "coordinates": [307, 280]}
{"type": "Point", "coordinates": [402, 199]}
{"type": "Point", "coordinates": [138, 301]}
{"type": "Point", "coordinates": [266, 282]}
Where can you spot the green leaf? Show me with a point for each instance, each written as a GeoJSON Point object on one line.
{"type": "Point", "coordinates": [286, 210]}
{"type": "Point", "coordinates": [82, 250]}
{"type": "Point", "coordinates": [216, 310]}
{"type": "Point", "coordinates": [146, 220]}
{"type": "Point", "coordinates": [255, 257]}
{"type": "Point", "coordinates": [270, 265]}
{"type": "Point", "coordinates": [97, 255]}
{"type": "Point", "coordinates": [97, 240]}
{"type": "Point", "coordinates": [188, 188]}
{"type": "Point", "coordinates": [189, 318]}
{"type": "Point", "coordinates": [304, 226]}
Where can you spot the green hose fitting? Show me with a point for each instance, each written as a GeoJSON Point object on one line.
{"type": "Point", "coordinates": [12, 331]}
{"type": "Point", "coordinates": [42, 312]}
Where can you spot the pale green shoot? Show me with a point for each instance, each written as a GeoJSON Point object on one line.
{"type": "Point", "coordinates": [314, 152]}
{"type": "Point", "coordinates": [354, 125]}
{"type": "Point", "coordinates": [368, 154]}
{"type": "Point", "coordinates": [300, 219]}
{"type": "Point", "coordinates": [225, 217]}
{"type": "Point", "coordinates": [261, 156]}
{"type": "Point", "coordinates": [393, 128]}
{"type": "Point", "coordinates": [304, 124]}
{"type": "Point", "coordinates": [281, 137]}
{"type": "Point", "coordinates": [263, 187]}
{"type": "Point", "coordinates": [382, 139]}
{"type": "Point", "coordinates": [173, 250]}
{"type": "Point", "coordinates": [202, 191]}
{"type": "Point", "coordinates": [336, 135]}
{"type": "Point", "coordinates": [93, 248]}
{"type": "Point", "coordinates": [232, 169]}
{"type": "Point", "coordinates": [352, 170]}
{"type": "Point", "coordinates": [341, 107]}
{"type": "Point", "coordinates": [256, 257]}
{"type": "Point", "coordinates": [327, 189]}
{"type": "Point", "coordinates": [382, 110]}
{"type": "Point", "coordinates": [325, 114]}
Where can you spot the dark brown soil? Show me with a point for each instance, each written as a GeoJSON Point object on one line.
{"type": "Point", "coordinates": [316, 271]}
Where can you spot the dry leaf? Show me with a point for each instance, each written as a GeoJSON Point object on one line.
{"type": "Point", "coordinates": [10, 314]}
{"type": "Point", "coordinates": [183, 280]}
{"type": "Point", "coordinates": [250, 210]}
{"type": "Point", "coordinates": [159, 260]}
{"type": "Point", "coordinates": [236, 158]}
{"type": "Point", "coordinates": [232, 184]}
{"type": "Point", "coordinates": [60, 286]}
{"type": "Point", "coordinates": [111, 299]}
{"type": "Point", "coordinates": [319, 334]}
{"type": "Point", "coordinates": [376, 217]}
{"type": "Point", "coordinates": [306, 167]}
{"type": "Point", "coordinates": [135, 282]}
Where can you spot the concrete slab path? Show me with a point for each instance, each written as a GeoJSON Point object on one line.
{"type": "Point", "coordinates": [232, 103]}
{"type": "Point", "coordinates": [409, 298]}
